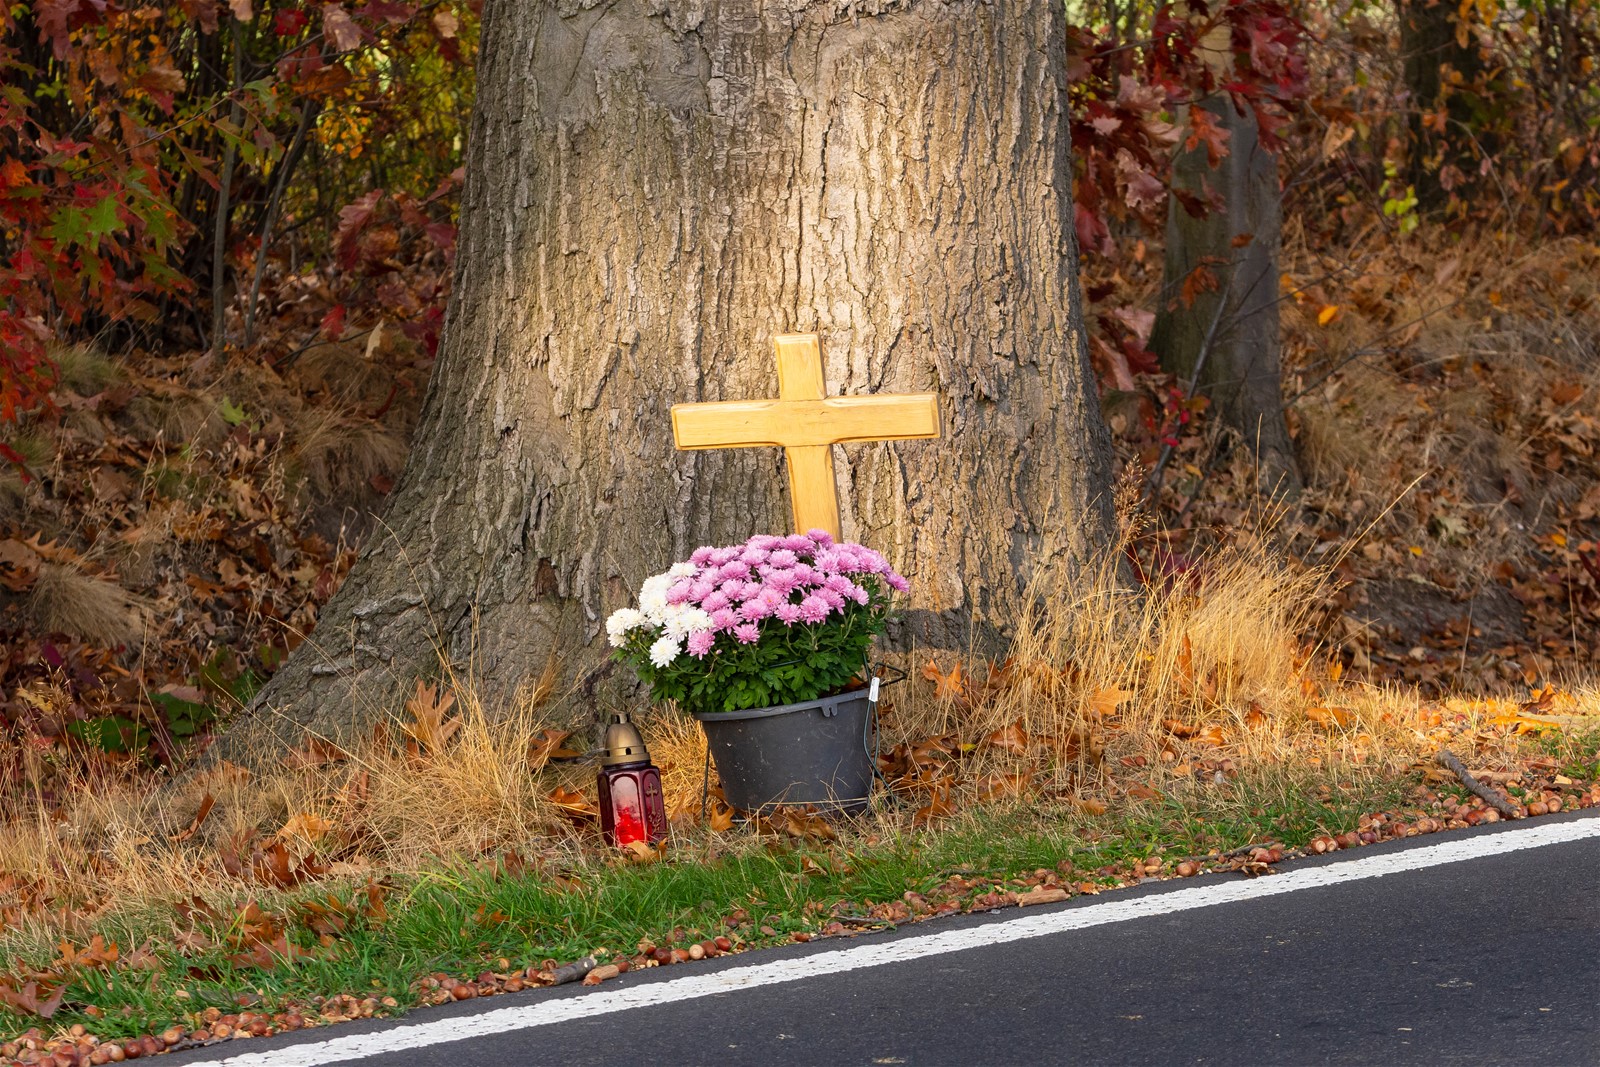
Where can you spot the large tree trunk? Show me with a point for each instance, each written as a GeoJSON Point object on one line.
{"type": "Point", "coordinates": [1225, 341]}
{"type": "Point", "coordinates": [654, 191]}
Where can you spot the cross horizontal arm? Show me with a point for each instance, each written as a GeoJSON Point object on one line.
{"type": "Point", "coordinates": [792, 423]}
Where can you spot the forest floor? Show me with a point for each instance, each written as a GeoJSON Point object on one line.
{"type": "Point", "coordinates": [1283, 682]}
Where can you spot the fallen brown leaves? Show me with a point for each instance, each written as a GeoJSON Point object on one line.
{"type": "Point", "coordinates": [431, 725]}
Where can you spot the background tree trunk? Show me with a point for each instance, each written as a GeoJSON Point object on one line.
{"type": "Point", "coordinates": [656, 189]}
{"type": "Point", "coordinates": [1232, 328]}
{"type": "Point", "coordinates": [1440, 72]}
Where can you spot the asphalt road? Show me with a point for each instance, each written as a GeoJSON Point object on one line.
{"type": "Point", "coordinates": [1493, 960]}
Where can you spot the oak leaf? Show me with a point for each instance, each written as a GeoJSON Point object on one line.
{"type": "Point", "coordinates": [547, 745]}
{"type": "Point", "coordinates": [429, 727]}
{"type": "Point", "coordinates": [1329, 718]}
{"type": "Point", "coordinates": [644, 852]}
{"type": "Point", "coordinates": [574, 805]}
{"type": "Point", "coordinates": [720, 818]}
{"type": "Point", "coordinates": [306, 826]}
{"type": "Point", "coordinates": [999, 786]}
{"type": "Point", "coordinates": [939, 806]}
{"type": "Point", "coordinates": [951, 686]}
{"type": "Point", "coordinates": [1011, 738]}
{"type": "Point", "coordinates": [1103, 702]}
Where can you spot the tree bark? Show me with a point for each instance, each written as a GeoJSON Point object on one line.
{"type": "Point", "coordinates": [1441, 74]}
{"type": "Point", "coordinates": [1225, 342]}
{"type": "Point", "coordinates": [654, 190]}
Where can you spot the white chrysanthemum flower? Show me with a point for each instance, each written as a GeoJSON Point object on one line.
{"type": "Point", "coordinates": [654, 605]}
{"type": "Point", "coordinates": [682, 570]}
{"type": "Point", "coordinates": [653, 598]}
{"type": "Point", "coordinates": [680, 620]}
{"type": "Point", "coordinates": [620, 622]}
{"type": "Point", "coordinates": [675, 621]}
{"type": "Point", "coordinates": [664, 651]}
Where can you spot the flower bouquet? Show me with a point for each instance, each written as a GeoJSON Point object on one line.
{"type": "Point", "coordinates": [774, 621]}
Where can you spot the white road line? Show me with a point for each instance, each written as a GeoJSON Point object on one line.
{"type": "Point", "coordinates": [873, 954]}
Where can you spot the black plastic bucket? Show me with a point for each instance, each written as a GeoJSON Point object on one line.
{"type": "Point", "coordinates": [819, 752]}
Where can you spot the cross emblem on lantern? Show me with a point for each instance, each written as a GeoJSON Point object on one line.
{"type": "Point", "coordinates": [806, 423]}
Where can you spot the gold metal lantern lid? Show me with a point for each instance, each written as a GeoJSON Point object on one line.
{"type": "Point", "coordinates": [623, 743]}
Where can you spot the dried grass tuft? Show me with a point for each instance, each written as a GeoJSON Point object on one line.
{"type": "Point", "coordinates": [68, 601]}
{"type": "Point", "coordinates": [82, 369]}
{"type": "Point", "coordinates": [338, 453]}
{"type": "Point", "coordinates": [1218, 644]}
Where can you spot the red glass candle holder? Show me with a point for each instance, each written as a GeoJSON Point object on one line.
{"type": "Point", "coordinates": [631, 805]}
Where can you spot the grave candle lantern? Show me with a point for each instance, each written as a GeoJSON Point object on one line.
{"type": "Point", "coordinates": [631, 805]}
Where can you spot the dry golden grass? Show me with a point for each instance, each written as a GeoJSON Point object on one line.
{"type": "Point", "coordinates": [1217, 650]}
{"type": "Point", "coordinates": [82, 369]}
{"type": "Point", "coordinates": [66, 600]}
{"type": "Point", "coordinates": [387, 805]}
{"type": "Point", "coordinates": [339, 453]}
{"type": "Point", "coordinates": [1112, 690]}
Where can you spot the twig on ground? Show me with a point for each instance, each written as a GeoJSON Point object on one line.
{"type": "Point", "coordinates": [571, 972]}
{"type": "Point", "coordinates": [1490, 797]}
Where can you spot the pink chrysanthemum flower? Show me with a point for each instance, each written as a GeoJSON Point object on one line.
{"type": "Point", "coordinates": [755, 609]}
{"type": "Point", "coordinates": [783, 557]}
{"type": "Point", "coordinates": [747, 633]}
{"type": "Point", "coordinates": [781, 582]}
{"type": "Point", "coordinates": [724, 619]}
{"type": "Point", "coordinates": [716, 600]}
{"type": "Point", "coordinates": [764, 542]}
{"type": "Point", "coordinates": [831, 598]}
{"type": "Point", "coordinates": [701, 556]}
{"type": "Point", "coordinates": [679, 593]}
{"type": "Point", "coordinates": [897, 583]}
{"type": "Point", "coordinates": [700, 643]}
{"type": "Point", "coordinates": [799, 543]}
{"type": "Point", "coordinates": [814, 609]}
{"type": "Point", "coordinates": [788, 614]}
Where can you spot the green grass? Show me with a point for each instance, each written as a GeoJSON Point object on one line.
{"type": "Point", "coordinates": [1578, 751]}
{"type": "Point", "coordinates": [463, 920]}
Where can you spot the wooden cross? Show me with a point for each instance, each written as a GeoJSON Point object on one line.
{"type": "Point", "coordinates": [806, 423]}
